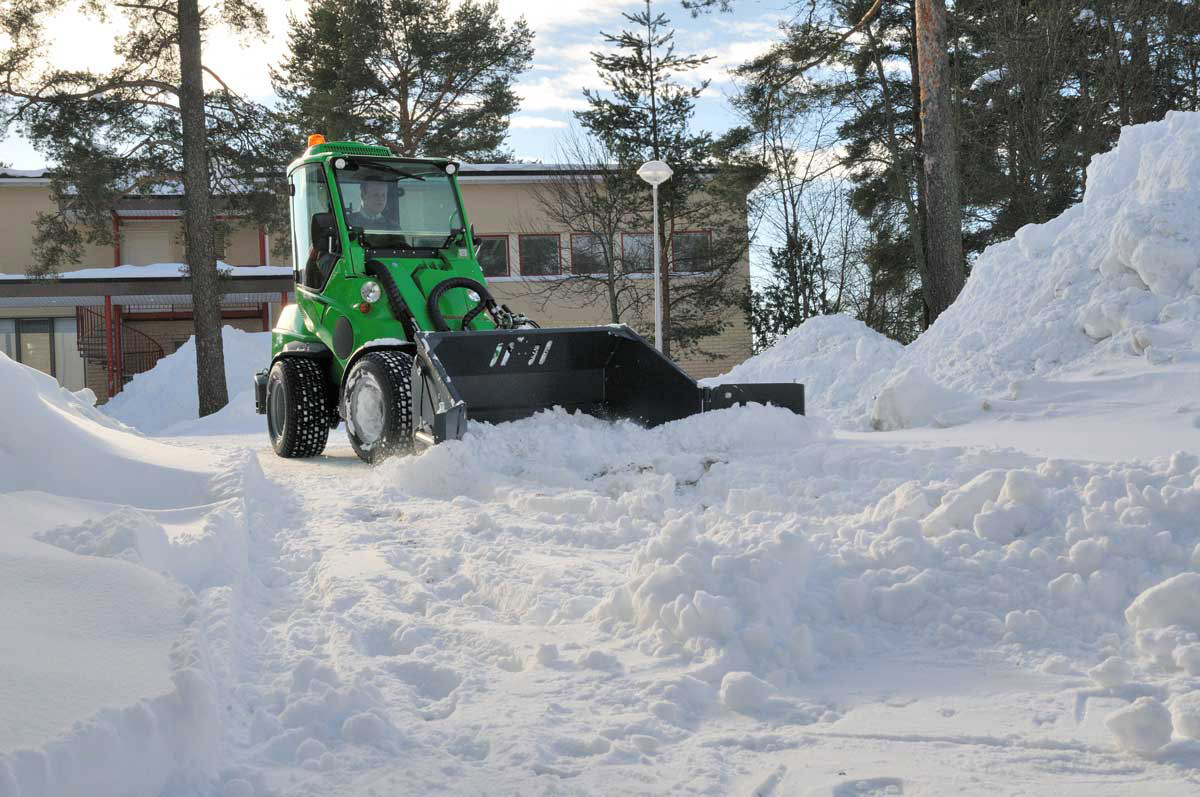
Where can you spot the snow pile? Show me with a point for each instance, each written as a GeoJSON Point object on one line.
{"type": "Point", "coordinates": [164, 399]}
{"type": "Point", "coordinates": [1121, 269]}
{"type": "Point", "coordinates": [841, 361]}
{"type": "Point", "coordinates": [1115, 276]}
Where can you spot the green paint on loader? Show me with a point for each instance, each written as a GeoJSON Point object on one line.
{"type": "Point", "coordinates": [394, 331]}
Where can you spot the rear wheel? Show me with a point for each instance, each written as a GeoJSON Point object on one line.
{"type": "Point", "coordinates": [378, 405]}
{"type": "Point", "coordinates": [297, 407]}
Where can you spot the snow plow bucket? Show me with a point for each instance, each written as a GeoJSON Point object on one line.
{"type": "Point", "coordinates": [610, 372]}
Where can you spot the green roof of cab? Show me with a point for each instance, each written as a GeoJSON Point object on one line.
{"type": "Point", "coordinates": [324, 151]}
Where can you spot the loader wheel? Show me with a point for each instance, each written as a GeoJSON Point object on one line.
{"type": "Point", "coordinates": [378, 405]}
{"type": "Point", "coordinates": [297, 407]}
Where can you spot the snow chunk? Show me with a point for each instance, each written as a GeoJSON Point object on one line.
{"type": "Point", "coordinates": [1185, 715]}
{"type": "Point", "coordinates": [742, 692]}
{"type": "Point", "coordinates": [1175, 601]}
{"type": "Point", "coordinates": [1143, 727]}
{"type": "Point", "coordinates": [911, 398]}
{"type": "Point", "coordinates": [1187, 658]}
{"type": "Point", "coordinates": [1112, 672]}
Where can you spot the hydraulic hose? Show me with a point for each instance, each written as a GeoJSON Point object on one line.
{"type": "Point", "coordinates": [396, 303]}
{"type": "Point", "coordinates": [486, 302]}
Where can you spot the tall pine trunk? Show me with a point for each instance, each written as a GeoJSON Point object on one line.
{"type": "Point", "coordinates": [199, 235]}
{"type": "Point", "coordinates": [945, 267]}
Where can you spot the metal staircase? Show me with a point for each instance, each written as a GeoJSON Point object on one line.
{"type": "Point", "coordinates": [133, 352]}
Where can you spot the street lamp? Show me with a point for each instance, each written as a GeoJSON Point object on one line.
{"type": "Point", "coordinates": [656, 173]}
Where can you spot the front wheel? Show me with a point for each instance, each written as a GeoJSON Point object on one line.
{"type": "Point", "coordinates": [378, 405]}
{"type": "Point", "coordinates": [297, 407]}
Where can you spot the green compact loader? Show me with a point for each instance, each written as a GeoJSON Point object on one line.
{"type": "Point", "coordinates": [394, 331]}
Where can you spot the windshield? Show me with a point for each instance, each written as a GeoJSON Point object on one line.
{"type": "Point", "coordinates": [398, 205]}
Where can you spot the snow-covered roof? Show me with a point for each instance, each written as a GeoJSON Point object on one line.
{"type": "Point", "coordinates": [160, 271]}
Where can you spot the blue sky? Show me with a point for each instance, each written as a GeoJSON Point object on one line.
{"type": "Point", "coordinates": [567, 31]}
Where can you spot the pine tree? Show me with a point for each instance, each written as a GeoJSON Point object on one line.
{"type": "Point", "coordinates": [645, 114]}
{"type": "Point", "coordinates": [422, 77]}
{"type": "Point", "coordinates": [147, 126]}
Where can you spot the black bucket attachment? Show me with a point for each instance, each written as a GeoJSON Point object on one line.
{"type": "Point", "coordinates": [610, 372]}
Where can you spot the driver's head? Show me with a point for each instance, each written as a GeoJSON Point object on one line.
{"type": "Point", "coordinates": [374, 197]}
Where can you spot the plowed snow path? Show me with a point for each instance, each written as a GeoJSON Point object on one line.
{"type": "Point", "coordinates": [562, 607]}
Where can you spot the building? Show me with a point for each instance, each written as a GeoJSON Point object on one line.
{"type": "Point", "coordinates": [125, 306]}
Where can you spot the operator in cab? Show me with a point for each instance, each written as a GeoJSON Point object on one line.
{"type": "Point", "coordinates": [373, 215]}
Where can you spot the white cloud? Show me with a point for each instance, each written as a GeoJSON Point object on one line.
{"type": "Point", "coordinates": [521, 121]}
{"type": "Point", "coordinates": [546, 15]}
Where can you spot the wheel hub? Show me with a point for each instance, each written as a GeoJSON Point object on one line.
{"type": "Point", "coordinates": [368, 411]}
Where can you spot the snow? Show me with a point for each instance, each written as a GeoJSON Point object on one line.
{"type": "Point", "coordinates": [164, 398]}
{"type": "Point", "coordinates": [997, 591]}
{"type": "Point", "coordinates": [105, 672]}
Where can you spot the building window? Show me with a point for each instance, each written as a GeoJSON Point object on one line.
{"type": "Point", "coordinates": [691, 251]}
{"type": "Point", "coordinates": [8, 338]}
{"type": "Point", "coordinates": [539, 255]}
{"type": "Point", "coordinates": [35, 343]}
{"type": "Point", "coordinates": [637, 252]}
{"type": "Point", "coordinates": [493, 255]}
{"type": "Point", "coordinates": [587, 254]}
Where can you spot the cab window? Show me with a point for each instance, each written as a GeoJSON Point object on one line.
{"type": "Point", "coordinates": [310, 197]}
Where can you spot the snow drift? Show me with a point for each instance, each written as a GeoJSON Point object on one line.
{"type": "Point", "coordinates": [106, 539]}
{"type": "Point", "coordinates": [165, 396]}
{"type": "Point", "coordinates": [52, 440]}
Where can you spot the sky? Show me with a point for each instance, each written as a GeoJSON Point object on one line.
{"type": "Point", "coordinates": [567, 31]}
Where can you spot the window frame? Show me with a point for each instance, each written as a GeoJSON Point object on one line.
{"type": "Point", "coordinates": [507, 255]}
{"type": "Point", "coordinates": [557, 236]}
{"type": "Point", "coordinates": [650, 270]}
{"type": "Point", "coordinates": [17, 341]}
{"type": "Point", "coordinates": [603, 273]}
{"type": "Point", "coordinates": [706, 231]}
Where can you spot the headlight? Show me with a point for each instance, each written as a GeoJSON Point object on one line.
{"type": "Point", "coordinates": [451, 168]}
{"type": "Point", "coordinates": [371, 291]}
{"type": "Point", "coordinates": [340, 163]}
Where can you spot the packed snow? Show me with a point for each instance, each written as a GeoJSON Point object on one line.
{"type": "Point", "coordinates": [974, 567]}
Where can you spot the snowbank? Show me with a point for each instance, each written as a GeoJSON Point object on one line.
{"type": "Point", "coordinates": [107, 539]}
{"type": "Point", "coordinates": [1118, 273]}
{"type": "Point", "coordinates": [163, 400]}
{"type": "Point", "coordinates": [1114, 277]}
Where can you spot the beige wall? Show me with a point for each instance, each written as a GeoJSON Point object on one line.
{"type": "Point", "coordinates": [512, 209]}
{"type": "Point", "coordinates": [20, 204]}
{"type": "Point", "coordinates": [19, 207]}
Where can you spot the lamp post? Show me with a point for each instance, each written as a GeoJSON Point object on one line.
{"type": "Point", "coordinates": [655, 173]}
